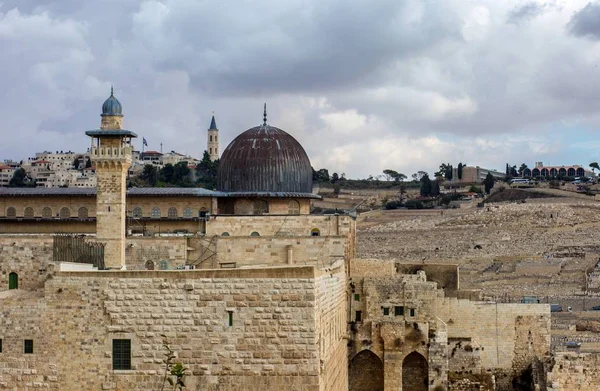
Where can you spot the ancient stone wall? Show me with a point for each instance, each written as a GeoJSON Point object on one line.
{"type": "Point", "coordinates": [494, 327]}
{"type": "Point", "coordinates": [575, 371]}
{"type": "Point", "coordinates": [22, 318]}
{"type": "Point", "coordinates": [320, 251]}
{"type": "Point", "coordinates": [234, 329]}
{"type": "Point", "coordinates": [161, 251]}
{"type": "Point", "coordinates": [28, 256]}
{"type": "Point", "coordinates": [281, 225]}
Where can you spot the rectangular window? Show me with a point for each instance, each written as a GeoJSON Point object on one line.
{"type": "Point", "coordinates": [230, 318]}
{"type": "Point", "coordinates": [0, 345]}
{"type": "Point", "coordinates": [28, 346]}
{"type": "Point", "coordinates": [121, 354]}
{"type": "Point", "coordinates": [358, 317]}
{"type": "Point", "coordinates": [412, 312]}
{"type": "Point", "coordinates": [356, 297]}
{"type": "Point", "coordinates": [398, 311]}
{"type": "Point", "coordinates": [386, 311]}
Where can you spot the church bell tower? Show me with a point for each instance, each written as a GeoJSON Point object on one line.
{"type": "Point", "coordinates": [111, 153]}
{"type": "Point", "coordinates": [212, 146]}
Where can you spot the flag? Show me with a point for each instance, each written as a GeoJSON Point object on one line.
{"type": "Point", "coordinates": [144, 141]}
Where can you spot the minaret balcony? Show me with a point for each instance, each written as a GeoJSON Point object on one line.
{"type": "Point", "coordinates": [111, 153]}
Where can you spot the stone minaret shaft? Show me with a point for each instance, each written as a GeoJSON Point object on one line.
{"type": "Point", "coordinates": [111, 153]}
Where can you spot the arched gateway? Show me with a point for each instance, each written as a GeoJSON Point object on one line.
{"type": "Point", "coordinates": [415, 373]}
{"type": "Point", "coordinates": [365, 372]}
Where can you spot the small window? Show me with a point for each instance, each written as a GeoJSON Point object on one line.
{"type": "Point", "coordinates": [11, 212]}
{"type": "Point", "coordinates": [386, 311]}
{"type": "Point", "coordinates": [398, 311]}
{"type": "Point", "coordinates": [172, 213]}
{"type": "Point", "coordinates": [210, 149]}
{"type": "Point", "coordinates": [121, 354]}
{"type": "Point", "coordinates": [28, 346]}
{"type": "Point", "coordinates": [47, 213]}
{"type": "Point", "coordinates": [412, 312]}
{"type": "Point", "coordinates": [211, 141]}
{"type": "Point", "coordinates": [155, 212]}
{"type": "Point", "coordinates": [187, 212]}
{"type": "Point", "coordinates": [65, 213]}
{"type": "Point", "coordinates": [254, 234]}
{"type": "Point", "coordinates": [13, 281]}
{"type": "Point", "coordinates": [28, 212]}
{"type": "Point", "coordinates": [137, 212]}
{"type": "Point", "coordinates": [0, 345]}
{"type": "Point", "coordinates": [358, 317]}
{"type": "Point", "coordinates": [225, 234]}
{"type": "Point", "coordinates": [315, 232]}
{"type": "Point", "coordinates": [230, 318]}
{"type": "Point", "coordinates": [356, 297]}
{"type": "Point", "coordinates": [82, 213]}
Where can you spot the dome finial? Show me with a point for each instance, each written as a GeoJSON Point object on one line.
{"type": "Point", "coordinates": [111, 90]}
{"type": "Point", "coordinates": [265, 115]}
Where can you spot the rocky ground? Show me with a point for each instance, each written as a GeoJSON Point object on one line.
{"type": "Point", "coordinates": [491, 242]}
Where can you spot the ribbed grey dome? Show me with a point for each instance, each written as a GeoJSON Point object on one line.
{"type": "Point", "coordinates": [264, 159]}
{"type": "Point", "coordinates": [112, 106]}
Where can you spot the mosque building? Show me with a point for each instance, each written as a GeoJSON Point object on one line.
{"type": "Point", "coordinates": [248, 290]}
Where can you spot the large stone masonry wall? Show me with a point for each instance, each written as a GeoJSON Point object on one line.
{"type": "Point", "coordinates": [328, 225]}
{"type": "Point", "coordinates": [320, 251]}
{"type": "Point", "coordinates": [331, 329]}
{"type": "Point", "coordinates": [22, 318]}
{"type": "Point", "coordinates": [575, 371]}
{"type": "Point", "coordinates": [495, 328]}
{"type": "Point", "coordinates": [28, 256]}
{"type": "Point", "coordinates": [273, 344]}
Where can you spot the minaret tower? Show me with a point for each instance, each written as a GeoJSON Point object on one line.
{"type": "Point", "coordinates": [212, 146]}
{"type": "Point", "coordinates": [111, 153]}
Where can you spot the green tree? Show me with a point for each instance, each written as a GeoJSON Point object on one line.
{"type": "Point", "coordinates": [594, 166]}
{"type": "Point", "coordinates": [522, 169]}
{"type": "Point", "coordinates": [206, 172]}
{"type": "Point", "coordinates": [335, 177]}
{"type": "Point", "coordinates": [390, 174]}
{"type": "Point", "coordinates": [488, 182]}
{"type": "Point", "coordinates": [435, 188]}
{"type": "Point", "coordinates": [425, 185]}
{"type": "Point", "coordinates": [181, 174]}
{"type": "Point", "coordinates": [88, 162]}
{"type": "Point", "coordinates": [150, 174]}
{"type": "Point", "coordinates": [19, 178]}
{"type": "Point", "coordinates": [167, 173]}
{"type": "Point", "coordinates": [448, 174]}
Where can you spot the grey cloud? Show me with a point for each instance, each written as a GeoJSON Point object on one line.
{"type": "Point", "coordinates": [525, 13]}
{"type": "Point", "coordinates": [586, 22]}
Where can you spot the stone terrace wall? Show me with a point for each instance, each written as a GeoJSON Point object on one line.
{"type": "Point", "coordinates": [273, 343]}
{"type": "Point", "coordinates": [575, 371]}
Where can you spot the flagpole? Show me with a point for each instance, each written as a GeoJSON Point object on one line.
{"type": "Point", "coordinates": [143, 147]}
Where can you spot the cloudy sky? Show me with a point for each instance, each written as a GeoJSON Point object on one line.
{"type": "Point", "coordinates": [364, 85]}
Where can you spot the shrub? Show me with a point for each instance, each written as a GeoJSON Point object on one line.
{"type": "Point", "coordinates": [554, 184]}
{"type": "Point", "coordinates": [393, 205]}
{"type": "Point", "coordinates": [414, 204]}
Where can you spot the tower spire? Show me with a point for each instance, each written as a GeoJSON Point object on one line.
{"type": "Point", "coordinates": [265, 115]}
{"type": "Point", "coordinates": [213, 123]}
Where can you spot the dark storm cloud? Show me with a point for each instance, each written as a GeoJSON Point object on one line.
{"type": "Point", "coordinates": [586, 22]}
{"type": "Point", "coordinates": [525, 13]}
{"type": "Point", "coordinates": [347, 74]}
{"type": "Point", "coordinates": [299, 48]}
